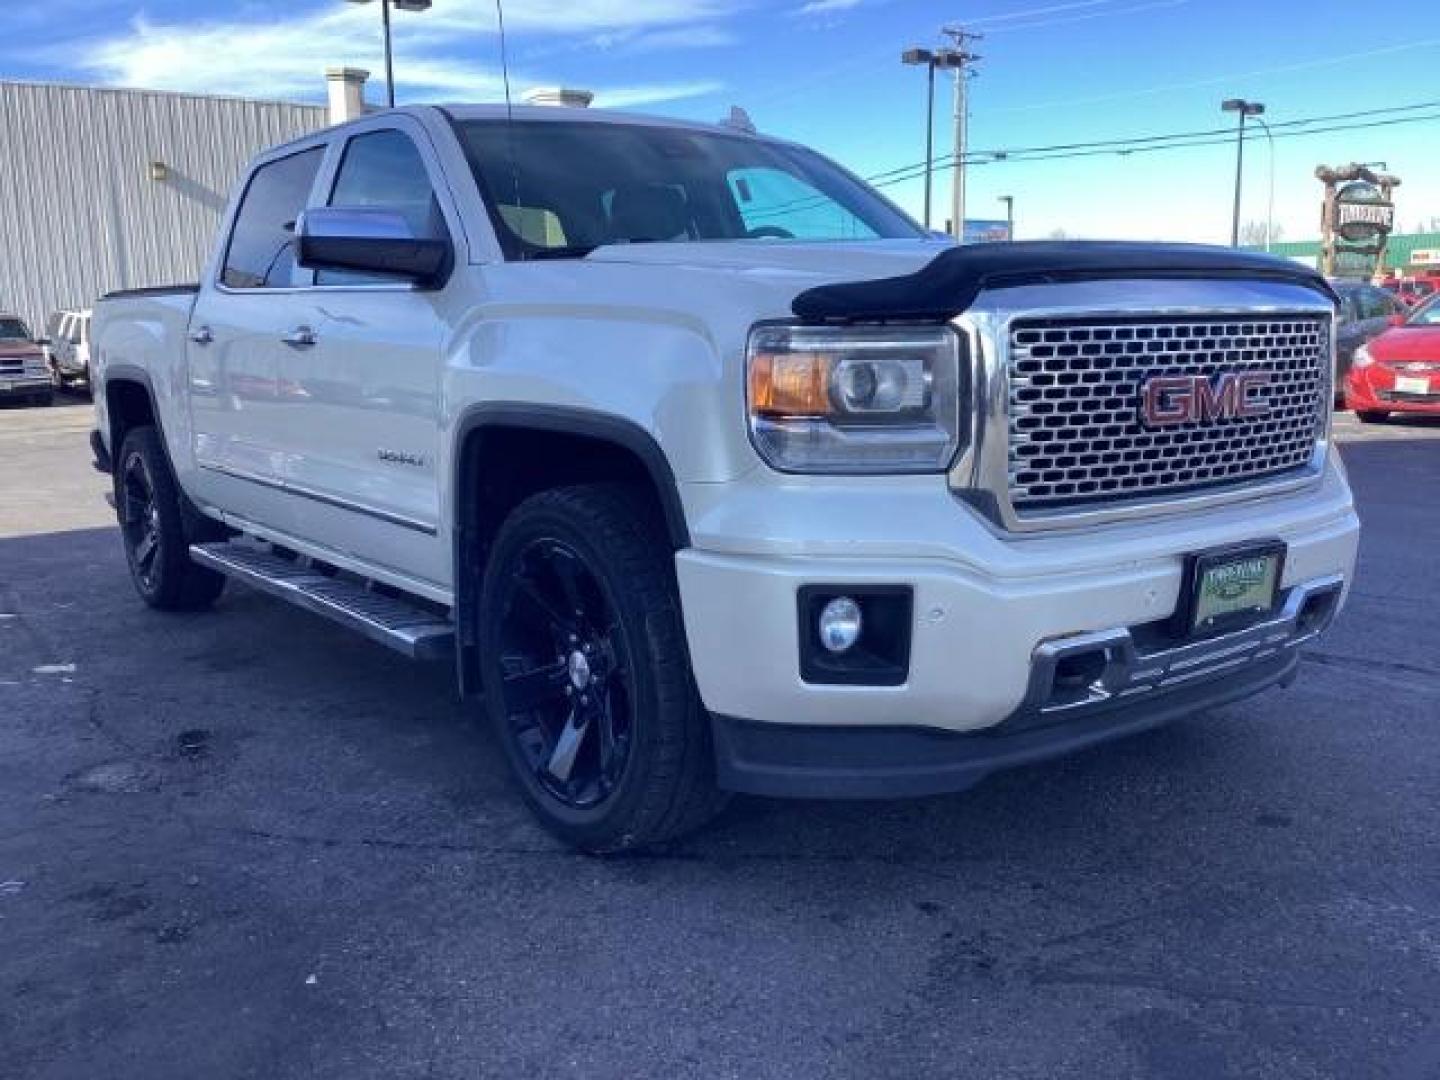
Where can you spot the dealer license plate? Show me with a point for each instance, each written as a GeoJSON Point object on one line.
{"type": "Point", "coordinates": [1404, 384]}
{"type": "Point", "coordinates": [1234, 586]}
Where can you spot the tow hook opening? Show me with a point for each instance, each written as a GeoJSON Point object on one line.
{"type": "Point", "coordinates": [1317, 611]}
{"type": "Point", "coordinates": [1081, 676]}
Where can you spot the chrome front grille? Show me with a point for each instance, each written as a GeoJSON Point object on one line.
{"type": "Point", "coordinates": [1076, 434]}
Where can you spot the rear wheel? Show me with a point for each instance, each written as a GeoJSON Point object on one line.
{"type": "Point", "coordinates": [587, 679]}
{"type": "Point", "coordinates": [152, 523]}
{"type": "Point", "coordinates": [1372, 416]}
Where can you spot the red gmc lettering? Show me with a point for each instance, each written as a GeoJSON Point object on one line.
{"type": "Point", "coordinates": [1167, 400]}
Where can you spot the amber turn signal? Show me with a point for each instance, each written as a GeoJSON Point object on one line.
{"type": "Point", "coordinates": [790, 384]}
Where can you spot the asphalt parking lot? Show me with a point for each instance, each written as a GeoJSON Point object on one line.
{"type": "Point", "coordinates": [245, 844]}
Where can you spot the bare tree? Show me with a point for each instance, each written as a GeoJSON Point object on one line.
{"type": "Point", "coordinates": [1252, 234]}
{"type": "Point", "coordinates": [1057, 234]}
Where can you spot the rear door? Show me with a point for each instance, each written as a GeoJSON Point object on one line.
{"type": "Point", "coordinates": [365, 371]}
{"type": "Point", "coordinates": [240, 406]}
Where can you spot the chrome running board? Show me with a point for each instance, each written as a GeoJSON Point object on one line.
{"type": "Point", "coordinates": [405, 626]}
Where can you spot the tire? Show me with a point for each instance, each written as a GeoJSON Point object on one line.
{"type": "Point", "coordinates": [156, 530]}
{"type": "Point", "coordinates": [596, 711]}
{"type": "Point", "coordinates": [1372, 416]}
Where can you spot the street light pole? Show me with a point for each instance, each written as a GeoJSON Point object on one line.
{"type": "Point", "coordinates": [916, 57]}
{"type": "Point", "coordinates": [400, 5]}
{"type": "Point", "coordinates": [949, 59]}
{"type": "Point", "coordinates": [1244, 108]}
{"type": "Point", "coordinates": [389, 54]}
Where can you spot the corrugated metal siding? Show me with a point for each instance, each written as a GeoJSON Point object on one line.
{"type": "Point", "coordinates": [79, 214]}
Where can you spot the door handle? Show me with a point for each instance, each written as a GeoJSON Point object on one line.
{"type": "Point", "coordinates": [302, 337]}
{"type": "Point", "coordinates": [202, 335]}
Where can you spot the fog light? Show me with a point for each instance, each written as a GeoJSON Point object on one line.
{"type": "Point", "coordinates": [840, 624]}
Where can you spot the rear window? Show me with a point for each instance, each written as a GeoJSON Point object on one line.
{"type": "Point", "coordinates": [261, 253]}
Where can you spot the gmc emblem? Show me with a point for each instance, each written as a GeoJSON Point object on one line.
{"type": "Point", "coordinates": [1167, 400]}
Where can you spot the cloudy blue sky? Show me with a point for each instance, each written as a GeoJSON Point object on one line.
{"type": "Point", "coordinates": [827, 72]}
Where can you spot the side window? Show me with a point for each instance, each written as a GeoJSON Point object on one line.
{"type": "Point", "coordinates": [261, 254]}
{"type": "Point", "coordinates": [385, 169]}
{"type": "Point", "coordinates": [783, 205]}
{"type": "Point", "coordinates": [1376, 304]}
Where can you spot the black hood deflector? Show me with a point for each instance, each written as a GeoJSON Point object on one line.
{"type": "Point", "coordinates": [949, 284]}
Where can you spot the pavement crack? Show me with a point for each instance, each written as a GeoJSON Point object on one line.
{"type": "Point", "coordinates": [1198, 993]}
{"type": "Point", "coordinates": [1369, 664]}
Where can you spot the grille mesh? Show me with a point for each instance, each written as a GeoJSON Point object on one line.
{"type": "Point", "coordinates": [1075, 429]}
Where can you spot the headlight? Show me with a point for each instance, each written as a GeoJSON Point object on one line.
{"type": "Point", "coordinates": [868, 399]}
{"type": "Point", "coordinates": [1362, 357]}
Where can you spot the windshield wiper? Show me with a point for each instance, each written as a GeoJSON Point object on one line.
{"type": "Point", "coordinates": [571, 251]}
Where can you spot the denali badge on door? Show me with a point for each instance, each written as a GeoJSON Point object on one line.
{"type": "Point", "coordinates": [1231, 587]}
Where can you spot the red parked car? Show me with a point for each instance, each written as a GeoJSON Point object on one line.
{"type": "Point", "coordinates": [1399, 371]}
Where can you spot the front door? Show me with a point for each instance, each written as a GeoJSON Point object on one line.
{"type": "Point", "coordinates": [362, 368]}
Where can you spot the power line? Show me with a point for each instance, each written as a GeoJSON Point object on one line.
{"type": "Point", "coordinates": [1003, 159]}
{"type": "Point", "coordinates": [1140, 143]}
{"type": "Point", "coordinates": [1144, 144]}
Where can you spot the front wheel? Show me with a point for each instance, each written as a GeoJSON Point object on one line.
{"type": "Point", "coordinates": [586, 675]}
{"type": "Point", "coordinates": [152, 524]}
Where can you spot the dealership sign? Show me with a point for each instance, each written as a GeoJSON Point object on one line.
{"type": "Point", "coordinates": [1362, 212]}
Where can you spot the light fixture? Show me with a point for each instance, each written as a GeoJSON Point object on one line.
{"type": "Point", "coordinates": [840, 624]}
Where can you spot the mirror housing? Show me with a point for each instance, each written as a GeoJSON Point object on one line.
{"type": "Point", "coordinates": [370, 240]}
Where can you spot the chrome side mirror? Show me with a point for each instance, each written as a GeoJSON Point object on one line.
{"type": "Point", "coordinates": [370, 240]}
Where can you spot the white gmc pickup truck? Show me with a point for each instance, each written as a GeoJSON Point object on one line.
{"type": "Point", "coordinates": [711, 471]}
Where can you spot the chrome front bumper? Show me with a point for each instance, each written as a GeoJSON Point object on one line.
{"type": "Point", "coordinates": [1129, 666]}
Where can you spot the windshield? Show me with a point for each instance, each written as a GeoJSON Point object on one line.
{"type": "Point", "coordinates": [1427, 314]}
{"type": "Point", "coordinates": [13, 330]}
{"type": "Point", "coordinates": [575, 185]}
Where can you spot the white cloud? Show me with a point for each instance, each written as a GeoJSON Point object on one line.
{"type": "Point", "coordinates": [826, 7]}
{"type": "Point", "coordinates": [286, 57]}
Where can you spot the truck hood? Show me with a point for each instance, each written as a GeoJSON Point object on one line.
{"type": "Point", "coordinates": [793, 262]}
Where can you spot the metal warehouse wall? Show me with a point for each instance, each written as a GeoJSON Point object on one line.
{"type": "Point", "coordinates": [79, 214]}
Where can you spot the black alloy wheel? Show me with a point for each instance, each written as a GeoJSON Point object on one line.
{"type": "Point", "coordinates": [566, 675]}
{"type": "Point", "coordinates": [140, 520]}
{"type": "Point", "coordinates": [586, 674]}
{"type": "Point", "coordinates": [155, 528]}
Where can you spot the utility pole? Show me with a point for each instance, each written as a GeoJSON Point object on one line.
{"type": "Point", "coordinates": [963, 58]}
{"type": "Point", "coordinates": [1009, 201]}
